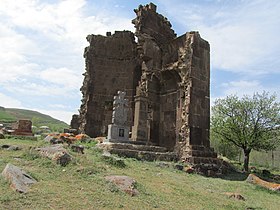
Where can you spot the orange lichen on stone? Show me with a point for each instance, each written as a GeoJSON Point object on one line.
{"type": "Point", "coordinates": [258, 181]}
{"type": "Point", "coordinates": [65, 134]}
{"type": "Point", "coordinates": [81, 136]}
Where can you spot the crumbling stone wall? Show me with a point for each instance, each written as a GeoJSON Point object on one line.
{"type": "Point", "coordinates": [75, 122]}
{"type": "Point", "coordinates": [111, 65]}
{"type": "Point", "coordinates": [166, 79]}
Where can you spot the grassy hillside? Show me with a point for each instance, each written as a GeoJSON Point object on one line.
{"type": "Point", "coordinates": [81, 185]}
{"type": "Point", "coordinates": [8, 115]}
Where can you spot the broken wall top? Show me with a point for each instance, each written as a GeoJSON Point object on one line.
{"type": "Point", "coordinates": [149, 23]}
{"type": "Point", "coordinates": [108, 46]}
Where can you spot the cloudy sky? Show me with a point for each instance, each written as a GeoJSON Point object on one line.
{"type": "Point", "coordinates": [42, 44]}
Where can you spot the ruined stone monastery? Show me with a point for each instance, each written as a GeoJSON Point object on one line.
{"type": "Point", "coordinates": [166, 79]}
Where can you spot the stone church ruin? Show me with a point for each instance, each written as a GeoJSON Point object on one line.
{"type": "Point", "coordinates": [166, 80]}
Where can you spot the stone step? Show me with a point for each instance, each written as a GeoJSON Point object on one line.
{"type": "Point", "coordinates": [198, 153]}
{"type": "Point", "coordinates": [110, 145]}
{"type": "Point", "coordinates": [200, 148]}
{"type": "Point", "coordinates": [144, 155]}
{"type": "Point", "coordinates": [203, 160]}
{"type": "Point", "coordinates": [127, 142]}
{"type": "Point", "coordinates": [22, 133]}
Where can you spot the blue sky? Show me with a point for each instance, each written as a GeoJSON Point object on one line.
{"type": "Point", "coordinates": [42, 44]}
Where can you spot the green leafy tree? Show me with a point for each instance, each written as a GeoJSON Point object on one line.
{"type": "Point", "coordinates": [224, 148]}
{"type": "Point", "coordinates": [247, 122]}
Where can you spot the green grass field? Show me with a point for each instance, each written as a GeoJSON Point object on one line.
{"type": "Point", "coordinates": [81, 185]}
{"type": "Point", "coordinates": [8, 115]}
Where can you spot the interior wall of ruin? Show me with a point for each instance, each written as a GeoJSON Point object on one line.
{"type": "Point", "coordinates": [111, 65]}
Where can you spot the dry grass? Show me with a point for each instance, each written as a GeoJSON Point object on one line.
{"type": "Point", "coordinates": [81, 185]}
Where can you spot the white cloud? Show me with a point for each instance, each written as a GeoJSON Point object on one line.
{"type": "Point", "coordinates": [14, 48]}
{"type": "Point", "coordinates": [41, 45]}
{"type": "Point", "coordinates": [6, 101]}
{"type": "Point", "coordinates": [243, 35]}
{"type": "Point", "coordinates": [63, 77]}
{"type": "Point", "coordinates": [59, 106]}
{"type": "Point", "coordinates": [242, 87]}
{"type": "Point", "coordinates": [41, 52]}
{"type": "Point", "coordinates": [64, 116]}
{"type": "Point", "coordinates": [42, 90]}
{"type": "Point", "coordinates": [246, 87]}
{"type": "Point", "coordinates": [43, 17]}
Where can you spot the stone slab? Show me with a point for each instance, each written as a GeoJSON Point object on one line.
{"type": "Point", "coordinates": [124, 183]}
{"type": "Point", "coordinates": [19, 179]}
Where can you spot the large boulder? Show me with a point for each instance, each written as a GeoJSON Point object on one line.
{"type": "Point", "coordinates": [19, 179]}
{"type": "Point", "coordinates": [83, 138]}
{"type": "Point", "coordinates": [78, 148]}
{"type": "Point", "coordinates": [236, 196]}
{"type": "Point", "coordinates": [124, 183]}
{"type": "Point", "coordinates": [253, 179]}
{"type": "Point", "coordinates": [57, 153]}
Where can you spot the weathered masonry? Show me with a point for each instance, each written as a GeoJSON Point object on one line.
{"type": "Point", "coordinates": [166, 79]}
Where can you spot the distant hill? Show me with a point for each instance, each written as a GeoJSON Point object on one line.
{"type": "Point", "coordinates": [10, 115]}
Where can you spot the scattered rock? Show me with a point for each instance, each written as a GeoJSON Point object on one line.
{"type": "Point", "coordinates": [17, 159]}
{"type": "Point", "coordinates": [124, 183]}
{"type": "Point", "coordinates": [19, 179]}
{"type": "Point", "coordinates": [253, 179]}
{"type": "Point", "coordinates": [266, 173]}
{"type": "Point", "coordinates": [236, 196]}
{"type": "Point", "coordinates": [106, 153]}
{"type": "Point", "coordinates": [63, 159]}
{"type": "Point", "coordinates": [57, 153]}
{"type": "Point", "coordinates": [78, 148]}
{"type": "Point", "coordinates": [211, 173]}
{"type": "Point", "coordinates": [14, 148]}
{"type": "Point", "coordinates": [252, 169]}
{"type": "Point", "coordinates": [179, 167]}
{"type": "Point", "coordinates": [163, 165]}
{"type": "Point", "coordinates": [100, 139]}
{"type": "Point", "coordinates": [2, 136]}
{"type": "Point", "coordinates": [59, 138]}
{"type": "Point", "coordinates": [115, 161]}
{"type": "Point", "coordinates": [189, 170]}
{"type": "Point", "coordinates": [5, 146]}
{"type": "Point", "coordinates": [208, 169]}
{"type": "Point", "coordinates": [83, 138]}
{"type": "Point", "coordinates": [10, 147]}
{"type": "Point", "coordinates": [71, 131]}
{"type": "Point", "coordinates": [53, 139]}
{"type": "Point", "coordinates": [49, 137]}
{"type": "Point", "coordinates": [69, 140]}
{"type": "Point", "coordinates": [276, 177]}
{"type": "Point", "coordinates": [56, 141]}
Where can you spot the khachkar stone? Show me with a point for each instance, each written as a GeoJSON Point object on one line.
{"type": "Point", "coordinates": [118, 130]}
